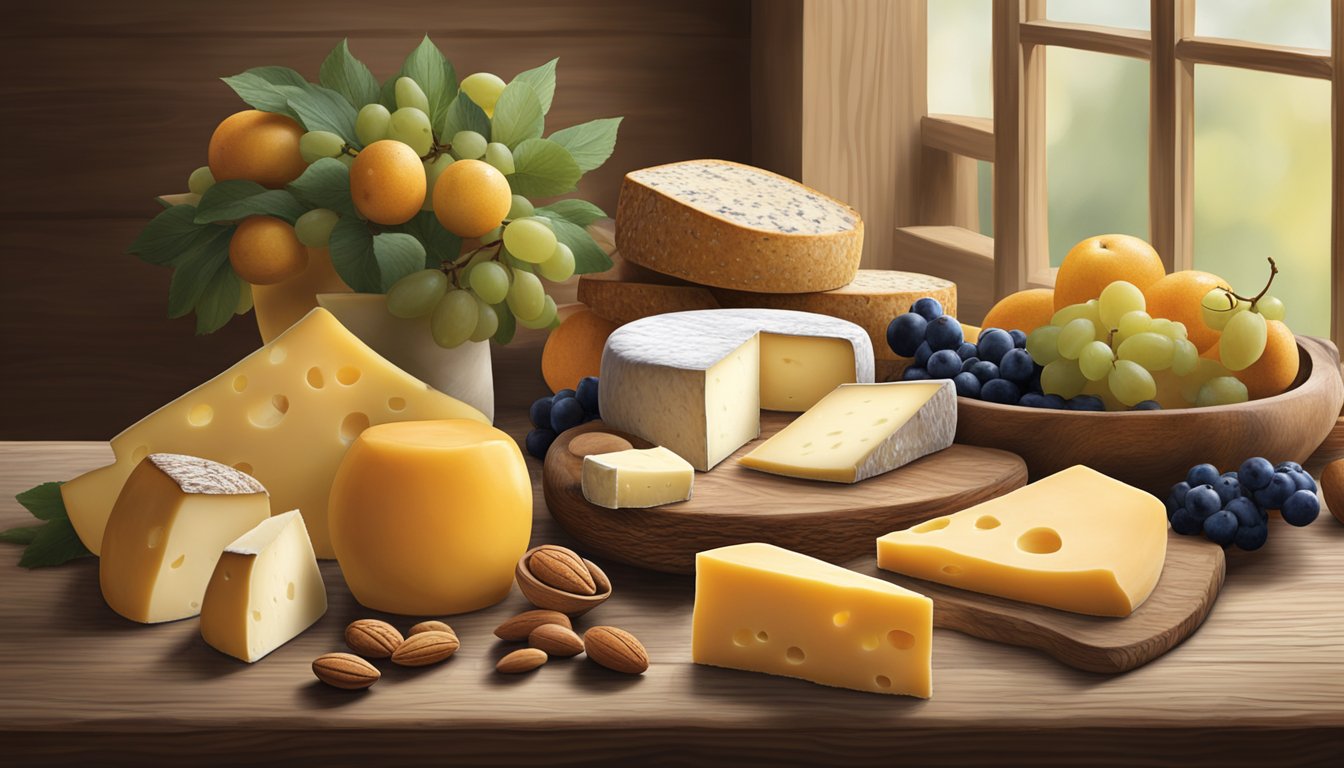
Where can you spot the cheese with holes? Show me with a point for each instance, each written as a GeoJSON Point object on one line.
{"type": "Point", "coordinates": [636, 478]}
{"type": "Point", "coordinates": [266, 590]}
{"type": "Point", "coordinates": [695, 382]}
{"type": "Point", "coordinates": [734, 226]}
{"type": "Point", "coordinates": [765, 609]}
{"type": "Point", "coordinates": [1077, 540]}
{"type": "Point", "coordinates": [166, 530]}
{"type": "Point", "coordinates": [859, 431]}
{"type": "Point", "coordinates": [284, 414]}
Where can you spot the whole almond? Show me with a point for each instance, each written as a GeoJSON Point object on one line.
{"type": "Point", "coordinates": [345, 670]}
{"type": "Point", "coordinates": [556, 640]}
{"type": "Point", "coordinates": [521, 660]}
{"type": "Point", "coordinates": [372, 639]}
{"type": "Point", "coordinates": [616, 650]}
{"type": "Point", "coordinates": [520, 626]}
{"type": "Point", "coordinates": [562, 569]}
{"type": "Point", "coordinates": [425, 648]}
{"type": "Point", "coordinates": [431, 626]}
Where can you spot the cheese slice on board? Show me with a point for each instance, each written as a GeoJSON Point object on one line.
{"type": "Point", "coordinates": [859, 431]}
{"type": "Point", "coordinates": [765, 609]}
{"type": "Point", "coordinates": [1077, 540]}
{"type": "Point", "coordinates": [266, 590]}
{"type": "Point", "coordinates": [284, 414]}
{"type": "Point", "coordinates": [695, 382]}
{"type": "Point", "coordinates": [636, 478]}
{"type": "Point", "coordinates": [728, 225]}
{"type": "Point", "coordinates": [169, 524]}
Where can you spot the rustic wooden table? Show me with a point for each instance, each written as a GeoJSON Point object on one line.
{"type": "Point", "coordinates": [1261, 683]}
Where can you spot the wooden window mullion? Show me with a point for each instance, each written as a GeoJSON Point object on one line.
{"type": "Point", "coordinates": [1337, 172]}
{"type": "Point", "coordinates": [1171, 135]}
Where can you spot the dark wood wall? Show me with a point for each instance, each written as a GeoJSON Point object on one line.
{"type": "Point", "coordinates": [104, 105]}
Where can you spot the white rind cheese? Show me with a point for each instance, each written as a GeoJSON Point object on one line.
{"type": "Point", "coordinates": [636, 479]}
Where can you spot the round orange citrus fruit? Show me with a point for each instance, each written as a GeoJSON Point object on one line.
{"type": "Point", "coordinates": [1024, 311]}
{"type": "Point", "coordinates": [574, 349]}
{"type": "Point", "coordinates": [264, 250]}
{"type": "Point", "coordinates": [471, 198]}
{"type": "Point", "coordinates": [257, 146]}
{"type": "Point", "coordinates": [387, 182]}
{"type": "Point", "coordinates": [1096, 262]}
{"type": "Point", "coordinates": [1277, 367]}
{"type": "Point", "coordinates": [1177, 297]}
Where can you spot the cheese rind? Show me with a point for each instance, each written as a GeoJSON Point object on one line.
{"type": "Point", "coordinates": [761, 608]}
{"type": "Point", "coordinates": [628, 292]}
{"type": "Point", "coordinates": [859, 431]}
{"type": "Point", "coordinates": [636, 478]}
{"type": "Point", "coordinates": [1077, 540]}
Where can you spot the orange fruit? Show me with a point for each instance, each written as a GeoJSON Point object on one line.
{"type": "Point", "coordinates": [1277, 367]}
{"type": "Point", "coordinates": [264, 250]}
{"type": "Point", "coordinates": [471, 198]}
{"type": "Point", "coordinates": [971, 333]}
{"type": "Point", "coordinates": [574, 349]}
{"type": "Point", "coordinates": [1096, 262]}
{"type": "Point", "coordinates": [387, 182]}
{"type": "Point", "coordinates": [257, 146]}
{"type": "Point", "coordinates": [1177, 297]}
{"type": "Point", "coordinates": [1023, 311]}
{"type": "Point", "coordinates": [1332, 488]}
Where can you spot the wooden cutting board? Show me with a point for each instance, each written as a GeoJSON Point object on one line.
{"type": "Point", "coordinates": [732, 504]}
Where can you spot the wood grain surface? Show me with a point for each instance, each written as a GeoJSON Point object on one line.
{"type": "Point", "coordinates": [1257, 685]}
{"type": "Point", "coordinates": [732, 504]}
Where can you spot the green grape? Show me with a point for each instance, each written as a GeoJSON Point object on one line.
{"type": "Point", "coordinates": [1063, 378]}
{"type": "Point", "coordinates": [1074, 336]}
{"type": "Point", "coordinates": [410, 94]}
{"type": "Point", "coordinates": [490, 282]}
{"type": "Point", "coordinates": [1204, 371]}
{"type": "Point", "coordinates": [1087, 310]}
{"type": "Point", "coordinates": [1243, 340]}
{"type": "Point", "coordinates": [499, 156]}
{"type": "Point", "coordinates": [200, 180]}
{"type": "Point", "coordinates": [454, 318]}
{"type": "Point", "coordinates": [521, 208]}
{"type": "Point", "coordinates": [529, 240]}
{"type": "Point", "coordinates": [1184, 357]}
{"type": "Point", "coordinates": [487, 321]}
{"type": "Point", "coordinates": [1043, 344]}
{"type": "Point", "coordinates": [1117, 299]}
{"type": "Point", "coordinates": [526, 297]}
{"type": "Point", "coordinates": [1164, 327]}
{"type": "Point", "coordinates": [1095, 360]}
{"type": "Point", "coordinates": [1150, 350]}
{"type": "Point", "coordinates": [1218, 307]}
{"type": "Point", "coordinates": [468, 145]}
{"type": "Point", "coordinates": [315, 145]}
{"type": "Point", "coordinates": [346, 160]}
{"type": "Point", "coordinates": [493, 236]}
{"type": "Point", "coordinates": [560, 266]}
{"type": "Point", "coordinates": [484, 89]}
{"type": "Point", "coordinates": [1178, 330]}
{"type": "Point", "coordinates": [372, 123]}
{"type": "Point", "coordinates": [433, 170]}
{"type": "Point", "coordinates": [314, 227]}
{"type": "Point", "coordinates": [543, 320]}
{"type": "Point", "coordinates": [1133, 322]}
{"type": "Point", "coordinates": [1131, 383]}
{"type": "Point", "coordinates": [417, 294]}
{"type": "Point", "coordinates": [1269, 305]}
{"type": "Point", "coordinates": [411, 126]}
{"type": "Point", "coordinates": [244, 299]}
{"type": "Point", "coordinates": [1222, 390]}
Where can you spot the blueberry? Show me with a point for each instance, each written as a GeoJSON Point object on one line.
{"type": "Point", "coordinates": [1228, 488]}
{"type": "Point", "coordinates": [968, 364]}
{"type": "Point", "coordinates": [1186, 523]}
{"type": "Point", "coordinates": [1178, 491]}
{"type": "Point", "coordinates": [1246, 512]}
{"type": "Point", "coordinates": [967, 385]}
{"type": "Point", "coordinates": [1147, 405]}
{"type": "Point", "coordinates": [1203, 501]}
{"type": "Point", "coordinates": [1035, 384]}
{"type": "Point", "coordinates": [1255, 473]}
{"type": "Point", "coordinates": [1016, 366]}
{"type": "Point", "coordinates": [905, 333]}
{"type": "Point", "coordinates": [944, 333]}
{"type": "Point", "coordinates": [985, 371]}
{"type": "Point", "coordinates": [587, 394]}
{"type": "Point", "coordinates": [1202, 474]}
{"type": "Point", "coordinates": [1000, 391]}
{"type": "Point", "coordinates": [1303, 480]}
{"type": "Point", "coordinates": [566, 414]}
{"type": "Point", "coordinates": [1301, 508]}
{"type": "Point", "coordinates": [1056, 402]}
{"type": "Point", "coordinates": [1032, 400]}
{"type": "Point", "coordinates": [1221, 527]}
{"type": "Point", "coordinates": [1272, 496]}
{"type": "Point", "coordinates": [1232, 473]}
{"type": "Point", "coordinates": [540, 412]}
{"type": "Point", "coordinates": [994, 344]}
{"type": "Point", "coordinates": [915, 373]}
{"type": "Point", "coordinates": [943, 364]}
{"type": "Point", "coordinates": [927, 308]}
{"type": "Point", "coordinates": [1087, 403]}
{"type": "Point", "coordinates": [1019, 338]}
{"type": "Point", "coordinates": [966, 351]}
{"type": "Point", "coordinates": [1251, 538]}
{"type": "Point", "coordinates": [922, 354]}
{"type": "Point", "coordinates": [1282, 465]}
{"type": "Point", "coordinates": [539, 441]}
{"type": "Point", "coordinates": [562, 394]}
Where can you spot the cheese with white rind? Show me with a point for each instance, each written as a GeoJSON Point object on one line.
{"type": "Point", "coordinates": [860, 431]}
{"type": "Point", "coordinates": [729, 225]}
{"type": "Point", "coordinates": [636, 479]}
{"type": "Point", "coordinates": [695, 382]}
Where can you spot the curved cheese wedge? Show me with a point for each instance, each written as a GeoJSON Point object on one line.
{"type": "Point", "coordinates": [695, 382]}
{"type": "Point", "coordinates": [1077, 540]}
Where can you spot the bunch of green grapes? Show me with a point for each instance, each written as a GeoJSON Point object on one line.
{"type": "Point", "coordinates": [1242, 321]}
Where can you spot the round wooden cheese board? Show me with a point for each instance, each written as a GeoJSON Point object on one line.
{"type": "Point", "coordinates": [732, 504]}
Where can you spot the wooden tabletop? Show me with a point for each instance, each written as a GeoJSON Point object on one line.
{"type": "Point", "coordinates": [1262, 683]}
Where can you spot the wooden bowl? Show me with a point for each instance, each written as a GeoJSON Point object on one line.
{"type": "Point", "coordinates": [1154, 449]}
{"type": "Point", "coordinates": [548, 597]}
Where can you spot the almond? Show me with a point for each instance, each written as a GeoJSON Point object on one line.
{"type": "Point", "coordinates": [372, 639]}
{"type": "Point", "coordinates": [520, 626]}
{"type": "Point", "coordinates": [426, 648]}
{"type": "Point", "coordinates": [556, 640]}
{"type": "Point", "coordinates": [431, 626]}
{"type": "Point", "coordinates": [616, 650]}
{"type": "Point", "coordinates": [345, 670]}
{"type": "Point", "coordinates": [522, 660]}
{"type": "Point", "coordinates": [562, 569]}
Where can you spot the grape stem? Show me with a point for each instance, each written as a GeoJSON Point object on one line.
{"type": "Point", "coordinates": [1233, 297]}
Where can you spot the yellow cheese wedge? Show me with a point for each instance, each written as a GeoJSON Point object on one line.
{"type": "Point", "coordinates": [765, 609]}
{"type": "Point", "coordinates": [284, 414]}
{"type": "Point", "coordinates": [636, 478]}
{"type": "Point", "coordinates": [169, 524]}
{"type": "Point", "coordinates": [1076, 540]}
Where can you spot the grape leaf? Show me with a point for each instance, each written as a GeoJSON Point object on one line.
{"type": "Point", "coordinates": [507, 324]}
{"type": "Point", "coordinates": [398, 255]}
{"type": "Point", "coordinates": [322, 109]}
{"type": "Point", "coordinates": [279, 76]}
{"type": "Point", "coordinates": [518, 115]}
{"type": "Point", "coordinates": [542, 80]}
{"type": "Point", "coordinates": [590, 143]}
{"type": "Point", "coordinates": [55, 541]}
{"type": "Point", "coordinates": [542, 168]}
{"type": "Point", "coordinates": [257, 92]}
{"type": "Point", "coordinates": [20, 535]}
{"type": "Point", "coordinates": [579, 212]}
{"type": "Point", "coordinates": [43, 501]}
{"type": "Point", "coordinates": [218, 301]}
{"type": "Point", "coordinates": [237, 199]}
{"type": "Point", "coordinates": [464, 115]}
{"type": "Point", "coordinates": [326, 184]}
{"type": "Point", "coordinates": [194, 271]}
{"type": "Point", "coordinates": [440, 244]}
{"type": "Point", "coordinates": [352, 255]}
{"type": "Point", "coordinates": [433, 73]}
{"type": "Point", "coordinates": [588, 255]}
{"type": "Point", "coordinates": [171, 234]}
{"type": "Point", "coordinates": [348, 76]}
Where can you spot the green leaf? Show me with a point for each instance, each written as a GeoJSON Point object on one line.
{"type": "Point", "coordinates": [518, 115]}
{"type": "Point", "coordinates": [171, 234]}
{"type": "Point", "coordinates": [20, 535]}
{"type": "Point", "coordinates": [326, 184]}
{"type": "Point", "coordinates": [257, 92]}
{"type": "Point", "coordinates": [579, 212]}
{"type": "Point", "coordinates": [463, 114]}
{"type": "Point", "coordinates": [347, 75]}
{"type": "Point", "coordinates": [194, 272]}
{"type": "Point", "coordinates": [352, 255]}
{"type": "Point", "coordinates": [54, 543]}
{"type": "Point", "coordinates": [590, 143]}
{"type": "Point", "coordinates": [43, 501]}
{"type": "Point", "coordinates": [542, 168]}
{"type": "Point", "coordinates": [237, 199]}
{"type": "Point", "coordinates": [507, 325]}
{"type": "Point", "coordinates": [322, 109]}
{"type": "Point", "coordinates": [279, 76]}
{"type": "Point", "coordinates": [398, 255]}
{"type": "Point", "coordinates": [542, 80]}
{"type": "Point", "coordinates": [440, 244]}
{"type": "Point", "coordinates": [588, 255]}
{"type": "Point", "coordinates": [433, 73]}
{"type": "Point", "coordinates": [218, 301]}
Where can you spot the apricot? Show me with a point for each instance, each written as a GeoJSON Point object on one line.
{"type": "Point", "coordinates": [1096, 262]}
{"type": "Point", "coordinates": [264, 250]}
{"type": "Point", "coordinates": [387, 182]}
{"type": "Point", "coordinates": [1023, 311]}
{"type": "Point", "coordinates": [574, 349]}
{"type": "Point", "coordinates": [1177, 297]}
{"type": "Point", "coordinates": [257, 146]}
{"type": "Point", "coordinates": [471, 198]}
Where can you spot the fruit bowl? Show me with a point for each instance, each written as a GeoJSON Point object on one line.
{"type": "Point", "coordinates": [1153, 449]}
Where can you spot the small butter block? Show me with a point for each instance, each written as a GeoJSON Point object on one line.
{"type": "Point", "coordinates": [637, 478]}
{"type": "Point", "coordinates": [761, 608]}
